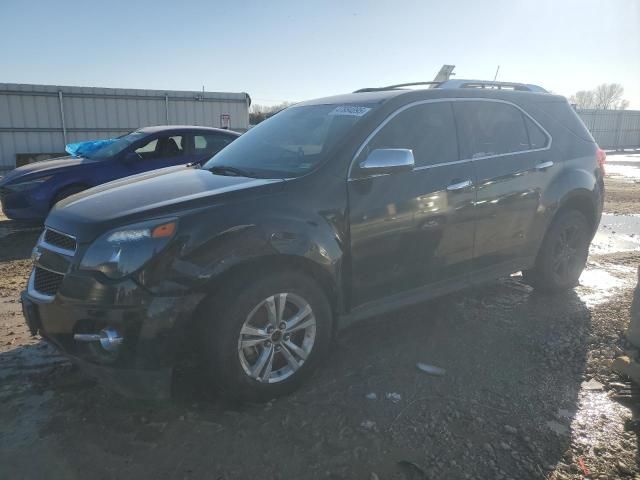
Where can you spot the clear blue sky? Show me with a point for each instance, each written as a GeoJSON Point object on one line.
{"type": "Point", "coordinates": [294, 50]}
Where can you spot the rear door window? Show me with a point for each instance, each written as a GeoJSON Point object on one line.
{"type": "Point", "coordinates": [210, 143]}
{"type": "Point", "coordinates": [427, 129]}
{"type": "Point", "coordinates": [490, 128]}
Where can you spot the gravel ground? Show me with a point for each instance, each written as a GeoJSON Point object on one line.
{"type": "Point", "coordinates": [527, 392]}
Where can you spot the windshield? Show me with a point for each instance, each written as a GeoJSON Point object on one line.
{"type": "Point", "coordinates": [116, 147]}
{"type": "Point", "coordinates": [291, 143]}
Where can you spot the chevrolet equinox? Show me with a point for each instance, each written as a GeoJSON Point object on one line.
{"type": "Point", "coordinates": [329, 212]}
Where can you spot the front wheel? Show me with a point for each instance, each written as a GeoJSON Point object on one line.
{"type": "Point", "coordinates": [267, 337]}
{"type": "Point", "coordinates": [563, 254]}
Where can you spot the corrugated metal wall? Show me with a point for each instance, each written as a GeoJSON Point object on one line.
{"type": "Point", "coordinates": [613, 129]}
{"type": "Point", "coordinates": [31, 118]}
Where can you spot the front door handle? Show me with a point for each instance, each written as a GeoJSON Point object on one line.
{"type": "Point", "coordinates": [459, 186]}
{"type": "Point", "coordinates": [544, 165]}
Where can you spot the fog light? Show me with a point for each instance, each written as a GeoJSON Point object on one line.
{"type": "Point", "coordinates": [109, 338]}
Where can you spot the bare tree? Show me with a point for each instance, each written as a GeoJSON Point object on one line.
{"type": "Point", "coordinates": [584, 99]}
{"type": "Point", "coordinates": [607, 96]}
{"type": "Point", "coordinates": [259, 113]}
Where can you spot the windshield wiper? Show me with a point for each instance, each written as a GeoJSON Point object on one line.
{"type": "Point", "coordinates": [226, 170]}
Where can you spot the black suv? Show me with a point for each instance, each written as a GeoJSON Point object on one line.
{"type": "Point", "coordinates": [331, 211]}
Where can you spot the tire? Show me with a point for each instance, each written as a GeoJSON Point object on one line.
{"type": "Point", "coordinates": [563, 254]}
{"type": "Point", "coordinates": [67, 192]}
{"type": "Point", "coordinates": [241, 318]}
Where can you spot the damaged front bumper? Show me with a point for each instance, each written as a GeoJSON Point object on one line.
{"type": "Point", "coordinates": [151, 332]}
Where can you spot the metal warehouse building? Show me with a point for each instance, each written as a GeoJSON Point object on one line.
{"type": "Point", "coordinates": [37, 121]}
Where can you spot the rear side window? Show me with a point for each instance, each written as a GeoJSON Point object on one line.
{"type": "Point", "coordinates": [210, 143]}
{"type": "Point", "coordinates": [490, 128]}
{"type": "Point", "coordinates": [428, 130]}
{"type": "Point", "coordinates": [537, 138]}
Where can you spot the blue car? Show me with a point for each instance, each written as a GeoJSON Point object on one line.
{"type": "Point", "coordinates": [29, 192]}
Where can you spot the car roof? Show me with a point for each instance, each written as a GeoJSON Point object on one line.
{"type": "Point", "coordinates": [382, 96]}
{"type": "Point", "coordinates": [182, 128]}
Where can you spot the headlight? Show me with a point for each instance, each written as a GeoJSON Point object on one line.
{"type": "Point", "coordinates": [123, 251]}
{"type": "Point", "coordinates": [20, 187]}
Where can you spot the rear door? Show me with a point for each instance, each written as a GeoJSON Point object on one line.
{"type": "Point", "coordinates": [415, 228]}
{"type": "Point", "coordinates": [206, 145]}
{"type": "Point", "coordinates": [496, 135]}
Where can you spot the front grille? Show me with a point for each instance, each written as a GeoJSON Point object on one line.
{"type": "Point", "coordinates": [60, 240]}
{"type": "Point", "coordinates": [46, 282]}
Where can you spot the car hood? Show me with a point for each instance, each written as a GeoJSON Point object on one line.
{"type": "Point", "coordinates": [149, 195]}
{"type": "Point", "coordinates": [43, 167]}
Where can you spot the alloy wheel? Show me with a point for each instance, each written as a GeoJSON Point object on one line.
{"type": "Point", "coordinates": [568, 253]}
{"type": "Point", "coordinates": [277, 338]}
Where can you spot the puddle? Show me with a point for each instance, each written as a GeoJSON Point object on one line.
{"type": "Point", "coordinates": [595, 421]}
{"type": "Point", "coordinates": [617, 233]}
{"type": "Point", "coordinates": [625, 166]}
{"type": "Point", "coordinates": [625, 171]}
{"type": "Point", "coordinates": [597, 286]}
{"type": "Point", "coordinates": [599, 283]}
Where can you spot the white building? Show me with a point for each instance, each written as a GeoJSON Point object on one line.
{"type": "Point", "coordinates": [37, 121]}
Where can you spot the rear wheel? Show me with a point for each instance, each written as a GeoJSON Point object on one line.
{"type": "Point", "coordinates": [563, 253]}
{"type": "Point", "coordinates": [267, 337]}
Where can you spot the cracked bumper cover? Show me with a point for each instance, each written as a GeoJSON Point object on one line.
{"type": "Point", "coordinates": [152, 327]}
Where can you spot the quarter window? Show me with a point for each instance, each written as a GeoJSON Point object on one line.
{"type": "Point", "coordinates": [537, 138]}
{"type": "Point", "coordinates": [427, 129]}
{"type": "Point", "coordinates": [490, 128]}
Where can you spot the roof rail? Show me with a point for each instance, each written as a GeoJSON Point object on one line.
{"type": "Point", "coordinates": [488, 84]}
{"type": "Point", "coordinates": [459, 83]}
{"type": "Point", "coordinates": [395, 87]}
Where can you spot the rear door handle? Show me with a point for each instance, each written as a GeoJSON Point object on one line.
{"type": "Point", "coordinates": [459, 186]}
{"type": "Point", "coordinates": [544, 165]}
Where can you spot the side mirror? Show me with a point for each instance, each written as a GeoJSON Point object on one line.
{"type": "Point", "coordinates": [388, 160]}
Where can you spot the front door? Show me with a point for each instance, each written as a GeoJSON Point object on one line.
{"type": "Point", "coordinates": [496, 136]}
{"type": "Point", "coordinates": [415, 228]}
{"type": "Point", "coordinates": [159, 152]}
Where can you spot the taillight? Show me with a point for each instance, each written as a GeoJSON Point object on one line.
{"type": "Point", "coordinates": [601, 156]}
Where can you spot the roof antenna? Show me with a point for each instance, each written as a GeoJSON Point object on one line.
{"type": "Point", "coordinates": [496, 75]}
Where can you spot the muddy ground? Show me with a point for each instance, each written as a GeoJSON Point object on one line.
{"type": "Point", "coordinates": [527, 392]}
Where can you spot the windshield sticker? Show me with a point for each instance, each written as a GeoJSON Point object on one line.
{"type": "Point", "coordinates": [351, 110]}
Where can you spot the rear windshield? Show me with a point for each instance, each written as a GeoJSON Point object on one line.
{"type": "Point", "coordinates": [291, 143]}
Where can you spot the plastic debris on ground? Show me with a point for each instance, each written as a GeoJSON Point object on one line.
{"type": "Point", "coordinates": [430, 369]}
{"type": "Point", "coordinates": [371, 396]}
